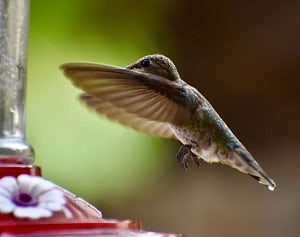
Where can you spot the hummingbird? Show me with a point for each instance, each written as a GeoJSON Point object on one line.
{"type": "Point", "coordinates": [150, 96]}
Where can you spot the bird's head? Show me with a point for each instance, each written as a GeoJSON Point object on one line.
{"type": "Point", "coordinates": [156, 64]}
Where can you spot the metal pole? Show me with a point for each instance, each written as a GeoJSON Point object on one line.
{"type": "Point", "coordinates": [14, 16]}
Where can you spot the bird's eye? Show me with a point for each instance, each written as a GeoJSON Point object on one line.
{"type": "Point", "coordinates": [145, 62]}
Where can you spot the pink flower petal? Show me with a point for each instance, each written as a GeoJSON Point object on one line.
{"type": "Point", "coordinates": [53, 200]}
{"type": "Point", "coordinates": [9, 183]}
{"type": "Point", "coordinates": [4, 192]}
{"type": "Point", "coordinates": [52, 195]}
{"type": "Point", "coordinates": [53, 206]}
{"type": "Point", "coordinates": [32, 212]}
{"type": "Point", "coordinates": [33, 184]}
{"type": "Point", "coordinates": [25, 183]}
{"type": "Point", "coordinates": [6, 205]}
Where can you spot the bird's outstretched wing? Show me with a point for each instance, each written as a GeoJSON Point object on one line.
{"type": "Point", "coordinates": [152, 128]}
{"type": "Point", "coordinates": [145, 102]}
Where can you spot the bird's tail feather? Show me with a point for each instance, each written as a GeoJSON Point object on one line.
{"type": "Point", "coordinates": [242, 160]}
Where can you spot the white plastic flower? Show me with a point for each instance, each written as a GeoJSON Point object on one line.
{"type": "Point", "coordinates": [30, 196]}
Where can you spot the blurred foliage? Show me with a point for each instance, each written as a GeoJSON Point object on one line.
{"type": "Point", "coordinates": [91, 156]}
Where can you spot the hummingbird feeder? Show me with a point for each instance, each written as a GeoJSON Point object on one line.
{"type": "Point", "coordinates": [29, 204]}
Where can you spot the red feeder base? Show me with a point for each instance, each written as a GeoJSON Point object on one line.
{"type": "Point", "coordinates": [86, 220]}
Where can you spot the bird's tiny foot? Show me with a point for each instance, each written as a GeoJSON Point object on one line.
{"type": "Point", "coordinates": [195, 160]}
{"type": "Point", "coordinates": [184, 154]}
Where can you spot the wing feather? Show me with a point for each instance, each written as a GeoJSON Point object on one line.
{"type": "Point", "coordinates": [152, 128]}
{"type": "Point", "coordinates": [125, 95]}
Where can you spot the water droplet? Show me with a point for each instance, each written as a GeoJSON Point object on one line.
{"type": "Point", "coordinates": [271, 187]}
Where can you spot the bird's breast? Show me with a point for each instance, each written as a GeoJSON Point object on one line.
{"type": "Point", "coordinates": [200, 141]}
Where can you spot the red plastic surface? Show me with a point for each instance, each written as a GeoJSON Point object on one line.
{"type": "Point", "coordinates": [86, 220]}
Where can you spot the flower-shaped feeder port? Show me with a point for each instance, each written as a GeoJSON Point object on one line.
{"type": "Point", "coordinates": [30, 205]}
{"type": "Point", "coordinates": [33, 206]}
{"type": "Point", "coordinates": [31, 197]}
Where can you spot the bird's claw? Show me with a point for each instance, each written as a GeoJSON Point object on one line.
{"type": "Point", "coordinates": [184, 154]}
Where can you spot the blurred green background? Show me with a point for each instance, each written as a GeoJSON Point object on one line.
{"type": "Point", "coordinates": [242, 55]}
